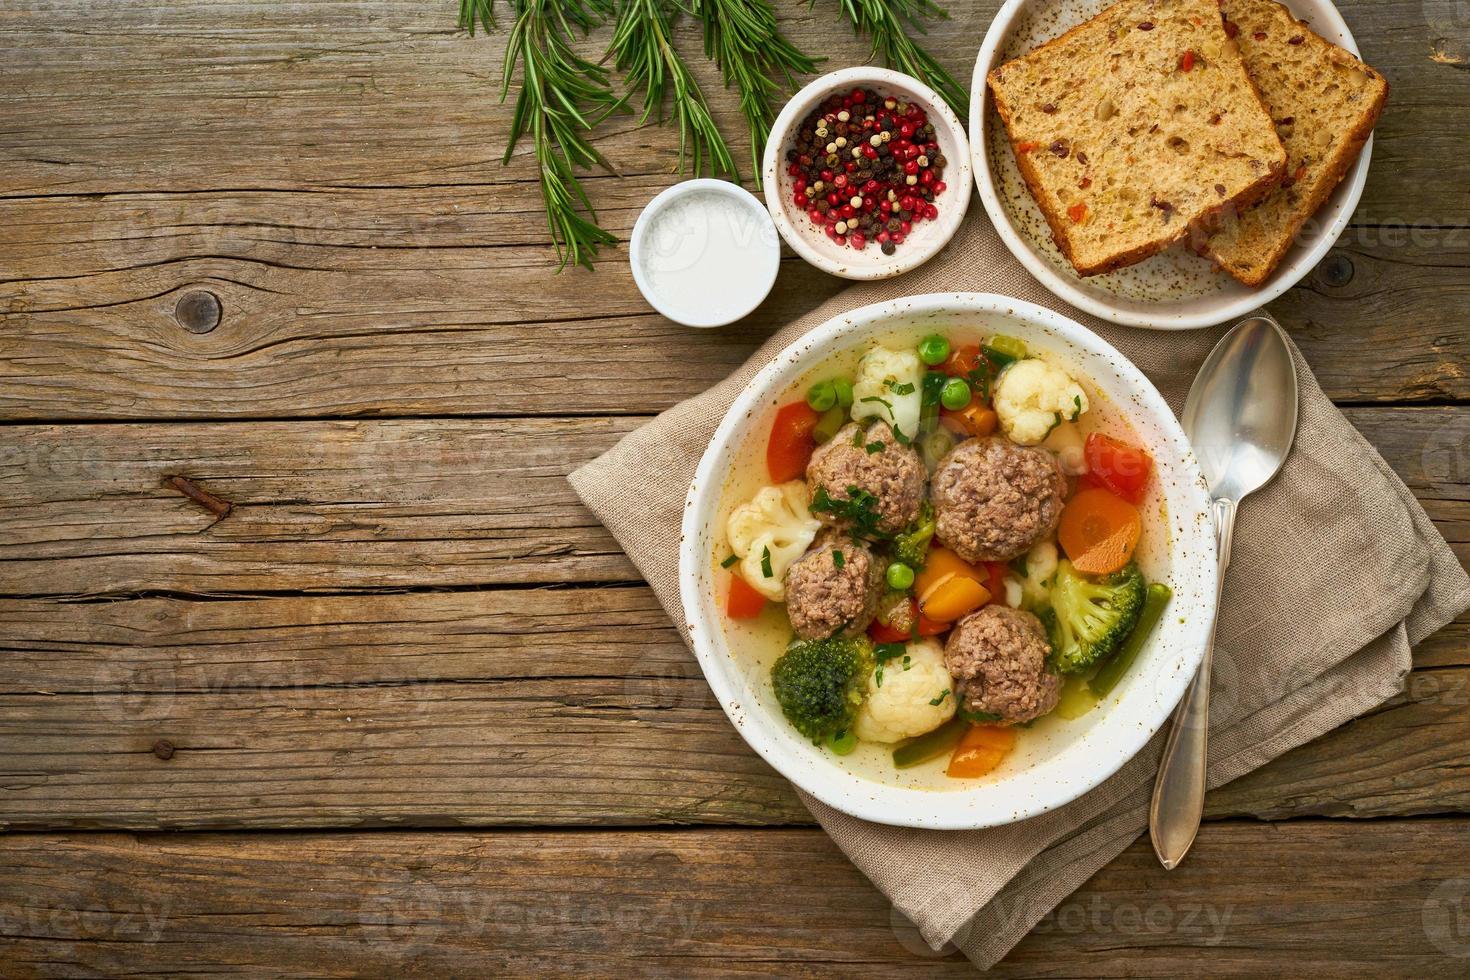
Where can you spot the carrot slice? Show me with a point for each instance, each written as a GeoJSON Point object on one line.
{"type": "Point", "coordinates": [954, 597]}
{"type": "Point", "coordinates": [744, 602]}
{"type": "Point", "coordinates": [975, 419]}
{"type": "Point", "coordinates": [980, 750]}
{"type": "Point", "coordinates": [1099, 531]}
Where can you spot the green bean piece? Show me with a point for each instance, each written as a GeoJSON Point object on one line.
{"type": "Point", "coordinates": [930, 745]}
{"type": "Point", "coordinates": [843, 387]}
{"type": "Point", "coordinates": [832, 420]}
{"type": "Point", "coordinates": [1002, 350]}
{"type": "Point", "coordinates": [1107, 677]}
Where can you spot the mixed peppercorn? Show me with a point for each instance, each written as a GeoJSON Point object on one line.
{"type": "Point", "coordinates": [866, 169]}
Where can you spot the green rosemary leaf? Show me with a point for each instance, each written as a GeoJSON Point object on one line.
{"type": "Point", "coordinates": [643, 50]}
{"type": "Point", "coordinates": [562, 96]}
{"type": "Point", "coordinates": [887, 23]}
{"type": "Point", "coordinates": [741, 37]}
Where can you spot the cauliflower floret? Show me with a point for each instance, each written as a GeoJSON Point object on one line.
{"type": "Point", "coordinates": [908, 695]}
{"type": "Point", "coordinates": [1069, 445]}
{"type": "Point", "coordinates": [770, 532]}
{"type": "Point", "coordinates": [1041, 569]}
{"type": "Point", "coordinates": [1032, 397]}
{"type": "Point", "coordinates": [888, 386]}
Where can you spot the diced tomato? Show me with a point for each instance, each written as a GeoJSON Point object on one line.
{"type": "Point", "coordinates": [791, 444]}
{"type": "Point", "coordinates": [1117, 466]}
{"type": "Point", "coordinates": [744, 602]}
{"type": "Point", "coordinates": [997, 577]}
{"type": "Point", "coordinates": [887, 634]}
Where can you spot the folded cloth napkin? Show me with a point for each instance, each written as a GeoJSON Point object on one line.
{"type": "Point", "coordinates": [1336, 573]}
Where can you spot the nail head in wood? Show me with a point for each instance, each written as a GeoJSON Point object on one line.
{"type": "Point", "coordinates": [163, 748]}
{"type": "Point", "coordinates": [198, 311]}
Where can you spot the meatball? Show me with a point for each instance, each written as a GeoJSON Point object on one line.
{"type": "Point", "coordinates": [993, 499]}
{"type": "Point", "coordinates": [826, 594]}
{"type": "Point", "coordinates": [997, 657]}
{"type": "Point", "coordinates": [872, 460]}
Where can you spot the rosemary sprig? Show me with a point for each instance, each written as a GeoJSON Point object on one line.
{"type": "Point", "coordinates": [885, 21]}
{"type": "Point", "coordinates": [562, 97]}
{"type": "Point", "coordinates": [742, 38]}
{"type": "Point", "coordinates": [641, 48]}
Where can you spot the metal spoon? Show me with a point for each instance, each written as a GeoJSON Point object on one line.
{"type": "Point", "coordinates": [1240, 417]}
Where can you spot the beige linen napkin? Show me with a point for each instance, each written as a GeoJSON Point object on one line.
{"type": "Point", "coordinates": [1336, 573]}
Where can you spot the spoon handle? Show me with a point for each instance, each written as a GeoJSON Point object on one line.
{"type": "Point", "coordinates": [1179, 790]}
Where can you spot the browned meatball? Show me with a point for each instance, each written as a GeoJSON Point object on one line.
{"type": "Point", "coordinates": [997, 657]}
{"type": "Point", "coordinates": [826, 594]}
{"type": "Point", "coordinates": [994, 499]}
{"type": "Point", "coordinates": [872, 460]}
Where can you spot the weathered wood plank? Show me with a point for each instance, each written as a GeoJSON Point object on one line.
{"type": "Point", "coordinates": [503, 707]}
{"type": "Point", "coordinates": [398, 503]}
{"type": "Point", "coordinates": [708, 903]}
{"type": "Point", "coordinates": [372, 258]}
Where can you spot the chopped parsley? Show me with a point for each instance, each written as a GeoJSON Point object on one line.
{"type": "Point", "coordinates": [875, 447]}
{"type": "Point", "coordinates": [979, 717]}
{"type": "Point", "coordinates": [936, 702]}
{"type": "Point", "coordinates": [1077, 400]}
{"type": "Point", "coordinates": [837, 559]}
{"type": "Point", "coordinates": [766, 563]}
{"type": "Point", "coordinates": [934, 383]}
{"type": "Point", "coordinates": [907, 661]}
{"type": "Point", "coordinates": [729, 561]}
{"type": "Point", "coordinates": [859, 507]}
{"type": "Point", "coordinates": [885, 652]}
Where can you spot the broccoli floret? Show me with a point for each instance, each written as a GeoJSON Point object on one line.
{"type": "Point", "coordinates": [912, 546]}
{"type": "Point", "coordinates": [1090, 618]}
{"type": "Point", "coordinates": [820, 684]}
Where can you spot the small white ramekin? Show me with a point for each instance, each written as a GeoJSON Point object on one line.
{"type": "Point", "coordinates": [811, 242]}
{"type": "Point", "coordinates": [761, 240]}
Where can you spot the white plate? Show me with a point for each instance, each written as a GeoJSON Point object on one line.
{"type": "Point", "coordinates": [1176, 290]}
{"type": "Point", "coordinates": [1062, 760]}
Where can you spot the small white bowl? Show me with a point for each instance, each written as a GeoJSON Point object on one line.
{"type": "Point", "coordinates": [721, 295]}
{"type": "Point", "coordinates": [1061, 761]}
{"type": "Point", "coordinates": [928, 237]}
{"type": "Point", "coordinates": [1176, 290]}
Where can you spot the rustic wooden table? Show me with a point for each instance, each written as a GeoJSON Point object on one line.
{"type": "Point", "coordinates": [405, 707]}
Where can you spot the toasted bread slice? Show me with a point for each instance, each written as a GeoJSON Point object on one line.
{"type": "Point", "coordinates": [1135, 127]}
{"type": "Point", "coordinates": [1325, 103]}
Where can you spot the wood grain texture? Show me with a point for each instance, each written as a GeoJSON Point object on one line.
{"type": "Point", "coordinates": [391, 504]}
{"type": "Point", "coordinates": [372, 258]}
{"type": "Point", "coordinates": [501, 707]}
{"type": "Point", "coordinates": [708, 903]}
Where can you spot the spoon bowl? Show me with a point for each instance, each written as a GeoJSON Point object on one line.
{"type": "Point", "coordinates": [1240, 416]}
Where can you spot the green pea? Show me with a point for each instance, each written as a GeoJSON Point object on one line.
{"type": "Point", "coordinates": [956, 394]}
{"type": "Point", "coordinates": [900, 577]}
{"type": "Point", "coordinates": [933, 350]}
{"type": "Point", "coordinates": [822, 396]}
{"type": "Point", "coordinates": [842, 743]}
{"type": "Point", "coordinates": [843, 387]}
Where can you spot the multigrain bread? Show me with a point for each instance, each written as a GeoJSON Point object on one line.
{"type": "Point", "coordinates": [1324, 102]}
{"type": "Point", "coordinates": [1135, 127]}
